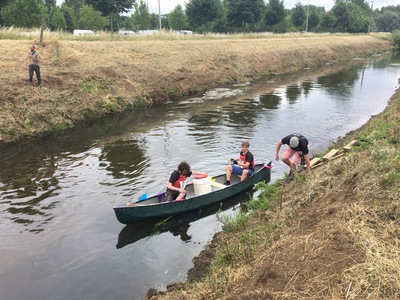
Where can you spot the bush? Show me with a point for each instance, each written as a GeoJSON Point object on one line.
{"type": "Point", "coordinates": [396, 38]}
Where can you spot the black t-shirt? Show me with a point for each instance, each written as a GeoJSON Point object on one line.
{"type": "Point", "coordinates": [249, 159]}
{"type": "Point", "coordinates": [176, 174]}
{"type": "Point", "coordinates": [303, 142]}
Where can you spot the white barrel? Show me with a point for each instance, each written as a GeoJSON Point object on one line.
{"type": "Point", "coordinates": [202, 186]}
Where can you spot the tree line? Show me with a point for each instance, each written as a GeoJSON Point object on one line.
{"type": "Point", "coordinates": [202, 16]}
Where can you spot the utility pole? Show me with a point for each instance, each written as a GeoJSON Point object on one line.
{"type": "Point", "coordinates": [159, 14]}
{"type": "Point", "coordinates": [370, 17]}
{"type": "Point", "coordinates": [308, 9]}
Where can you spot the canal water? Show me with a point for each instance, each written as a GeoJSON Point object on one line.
{"type": "Point", "coordinates": [59, 235]}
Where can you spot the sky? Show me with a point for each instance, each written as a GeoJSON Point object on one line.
{"type": "Point", "coordinates": [167, 6]}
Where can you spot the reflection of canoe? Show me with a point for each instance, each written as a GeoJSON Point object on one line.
{"type": "Point", "coordinates": [153, 208]}
{"type": "Point", "coordinates": [177, 225]}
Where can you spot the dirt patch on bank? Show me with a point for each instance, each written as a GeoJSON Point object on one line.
{"type": "Point", "coordinates": [85, 80]}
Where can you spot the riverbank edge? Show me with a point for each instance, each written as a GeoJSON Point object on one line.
{"type": "Point", "coordinates": [197, 276]}
{"type": "Point", "coordinates": [68, 102]}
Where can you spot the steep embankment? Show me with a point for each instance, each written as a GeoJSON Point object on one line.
{"type": "Point", "coordinates": [84, 80]}
{"type": "Point", "coordinates": [333, 234]}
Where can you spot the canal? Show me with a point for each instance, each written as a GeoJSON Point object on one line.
{"type": "Point", "coordinates": [59, 235]}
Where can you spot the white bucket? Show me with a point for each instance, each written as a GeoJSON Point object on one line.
{"type": "Point", "coordinates": [202, 186]}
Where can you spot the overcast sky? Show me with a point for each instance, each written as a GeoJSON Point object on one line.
{"type": "Point", "coordinates": [168, 5]}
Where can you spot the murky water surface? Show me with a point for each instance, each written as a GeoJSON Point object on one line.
{"type": "Point", "coordinates": [59, 236]}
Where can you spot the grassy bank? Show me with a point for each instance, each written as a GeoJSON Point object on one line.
{"type": "Point", "coordinates": [333, 234]}
{"type": "Point", "coordinates": [84, 80]}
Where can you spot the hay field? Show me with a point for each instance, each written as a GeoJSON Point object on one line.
{"type": "Point", "coordinates": [84, 80]}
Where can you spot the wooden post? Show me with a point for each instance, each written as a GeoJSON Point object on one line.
{"type": "Point", "coordinates": [41, 33]}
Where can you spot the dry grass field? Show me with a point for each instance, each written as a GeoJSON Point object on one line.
{"type": "Point", "coordinates": [85, 79]}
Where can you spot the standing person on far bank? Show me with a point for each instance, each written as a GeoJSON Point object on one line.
{"type": "Point", "coordinates": [34, 59]}
{"type": "Point", "coordinates": [243, 165]}
{"type": "Point", "coordinates": [296, 145]}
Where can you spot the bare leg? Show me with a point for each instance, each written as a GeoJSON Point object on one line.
{"type": "Point", "coordinates": [244, 175]}
{"type": "Point", "coordinates": [228, 172]}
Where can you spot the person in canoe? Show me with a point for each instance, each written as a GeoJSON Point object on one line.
{"type": "Point", "coordinates": [297, 148]}
{"type": "Point", "coordinates": [243, 165]}
{"type": "Point", "coordinates": [177, 182]}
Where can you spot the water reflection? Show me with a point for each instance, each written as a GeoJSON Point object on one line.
{"type": "Point", "coordinates": [124, 158]}
{"type": "Point", "coordinates": [178, 225]}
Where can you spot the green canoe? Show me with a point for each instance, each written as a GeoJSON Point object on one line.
{"type": "Point", "coordinates": [153, 208]}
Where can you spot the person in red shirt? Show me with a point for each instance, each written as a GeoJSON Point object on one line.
{"type": "Point", "coordinates": [243, 165]}
{"type": "Point", "coordinates": [177, 182]}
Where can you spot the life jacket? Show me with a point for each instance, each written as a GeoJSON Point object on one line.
{"type": "Point", "coordinates": [181, 182]}
{"type": "Point", "coordinates": [243, 159]}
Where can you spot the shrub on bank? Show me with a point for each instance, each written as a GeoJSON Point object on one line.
{"type": "Point", "coordinates": [396, 39]}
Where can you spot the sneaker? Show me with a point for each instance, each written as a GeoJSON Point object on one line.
{"type": "Point", "coordinates": [227, 183]}
{"type": "Point", "coordinates": [303, 160]}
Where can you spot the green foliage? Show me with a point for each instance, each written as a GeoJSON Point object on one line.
{"type": "Point", "coordinates": [201, 13]}
{"type": "Point", "coordinates": [359, 20]}
{"type": "Point", "coordinates": [269, 194]}
{"type": "Point", "coordinates": [299, 15]}
{"type": "Point", "coordinates": [388, 21]}
{"type": "Point", "coordinates": [241, 13]}
{"type": "Point", "coordinates": [389, 180]}
{"type": "Point", "coordinates": [58, 21]}
{"type": "Point", "coordinates": [91, 19]}
{"type": "Point", "coordinates": [314, 18]}
{"type": "Point", "coordinates": [93, 86]}
{"type": "Point", "coordinates": [139, 102]}
{"type": "Point", "coordinates": [107, 7]}
{"type": "Point", "coordinates": [111, 7]}
{"type": "Point", "coordinates": [233, 222]}
{"type": "Point", "coordinates": [177, 19]}
{"type": "Point", "coordinates": [70, 17]}
{"type": "Point", "coordinates": [60, 126]}
{"type": "Point", "coordinates": [141, 16]}
{"type": "Point", "coordinates": [396, 38]}
{"type": "Point", "coordinates": [24, 13]}
{"type": "Point", "coordinates": [275, 13]}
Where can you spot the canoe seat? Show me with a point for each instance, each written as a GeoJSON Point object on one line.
{"type": "Point", "coordinates": [218, 185]}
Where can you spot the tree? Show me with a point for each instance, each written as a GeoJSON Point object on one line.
{"type": "Point", "coordinates": [388, 21]}
{"type": "Point", "coordinates": [70, 17]}
{"type": "Point", "coordinates": [109, 7]}
{"type": "Point", "coordinates": [359, 19]}
{"type": "Point", "coordinates": [342, 16]}
{"type": "Point", "coordinates": [141, 16]}
{"type": "Point", "coordinates": [298, 15]}
{"type": "Point", "coordinates": [76, 5]}
{"type": "Point", "coordinates": [350, 17]}
{"type": "Point", "coordinates": [50, 4]}
{"type": "Point", "coordinates": [275, 13]}
{"type": "Point", "coordinates": [201, 13]}
{"type": "Point", "coordinates": [24, 13]}
{"type": "Point", "coordinates": [314, 17]}
{"type": "Point", "coordinates": [91, 19]}
{"type": "Point", "coordinates": [177, 19]}
{"type": "Point", "coordinates": [154, 22]}
{"type": "Point", "coordinates": [240, 13]}
{"type": "Point", "coordinates": [57, 21]}
{"type": "Point", "coordinates": [3, 3]}
{"type": "Point", "coordinates": [328, 22]}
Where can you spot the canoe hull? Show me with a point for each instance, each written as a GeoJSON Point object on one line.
{"type": "Point", "coordinates": [153, 209]}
